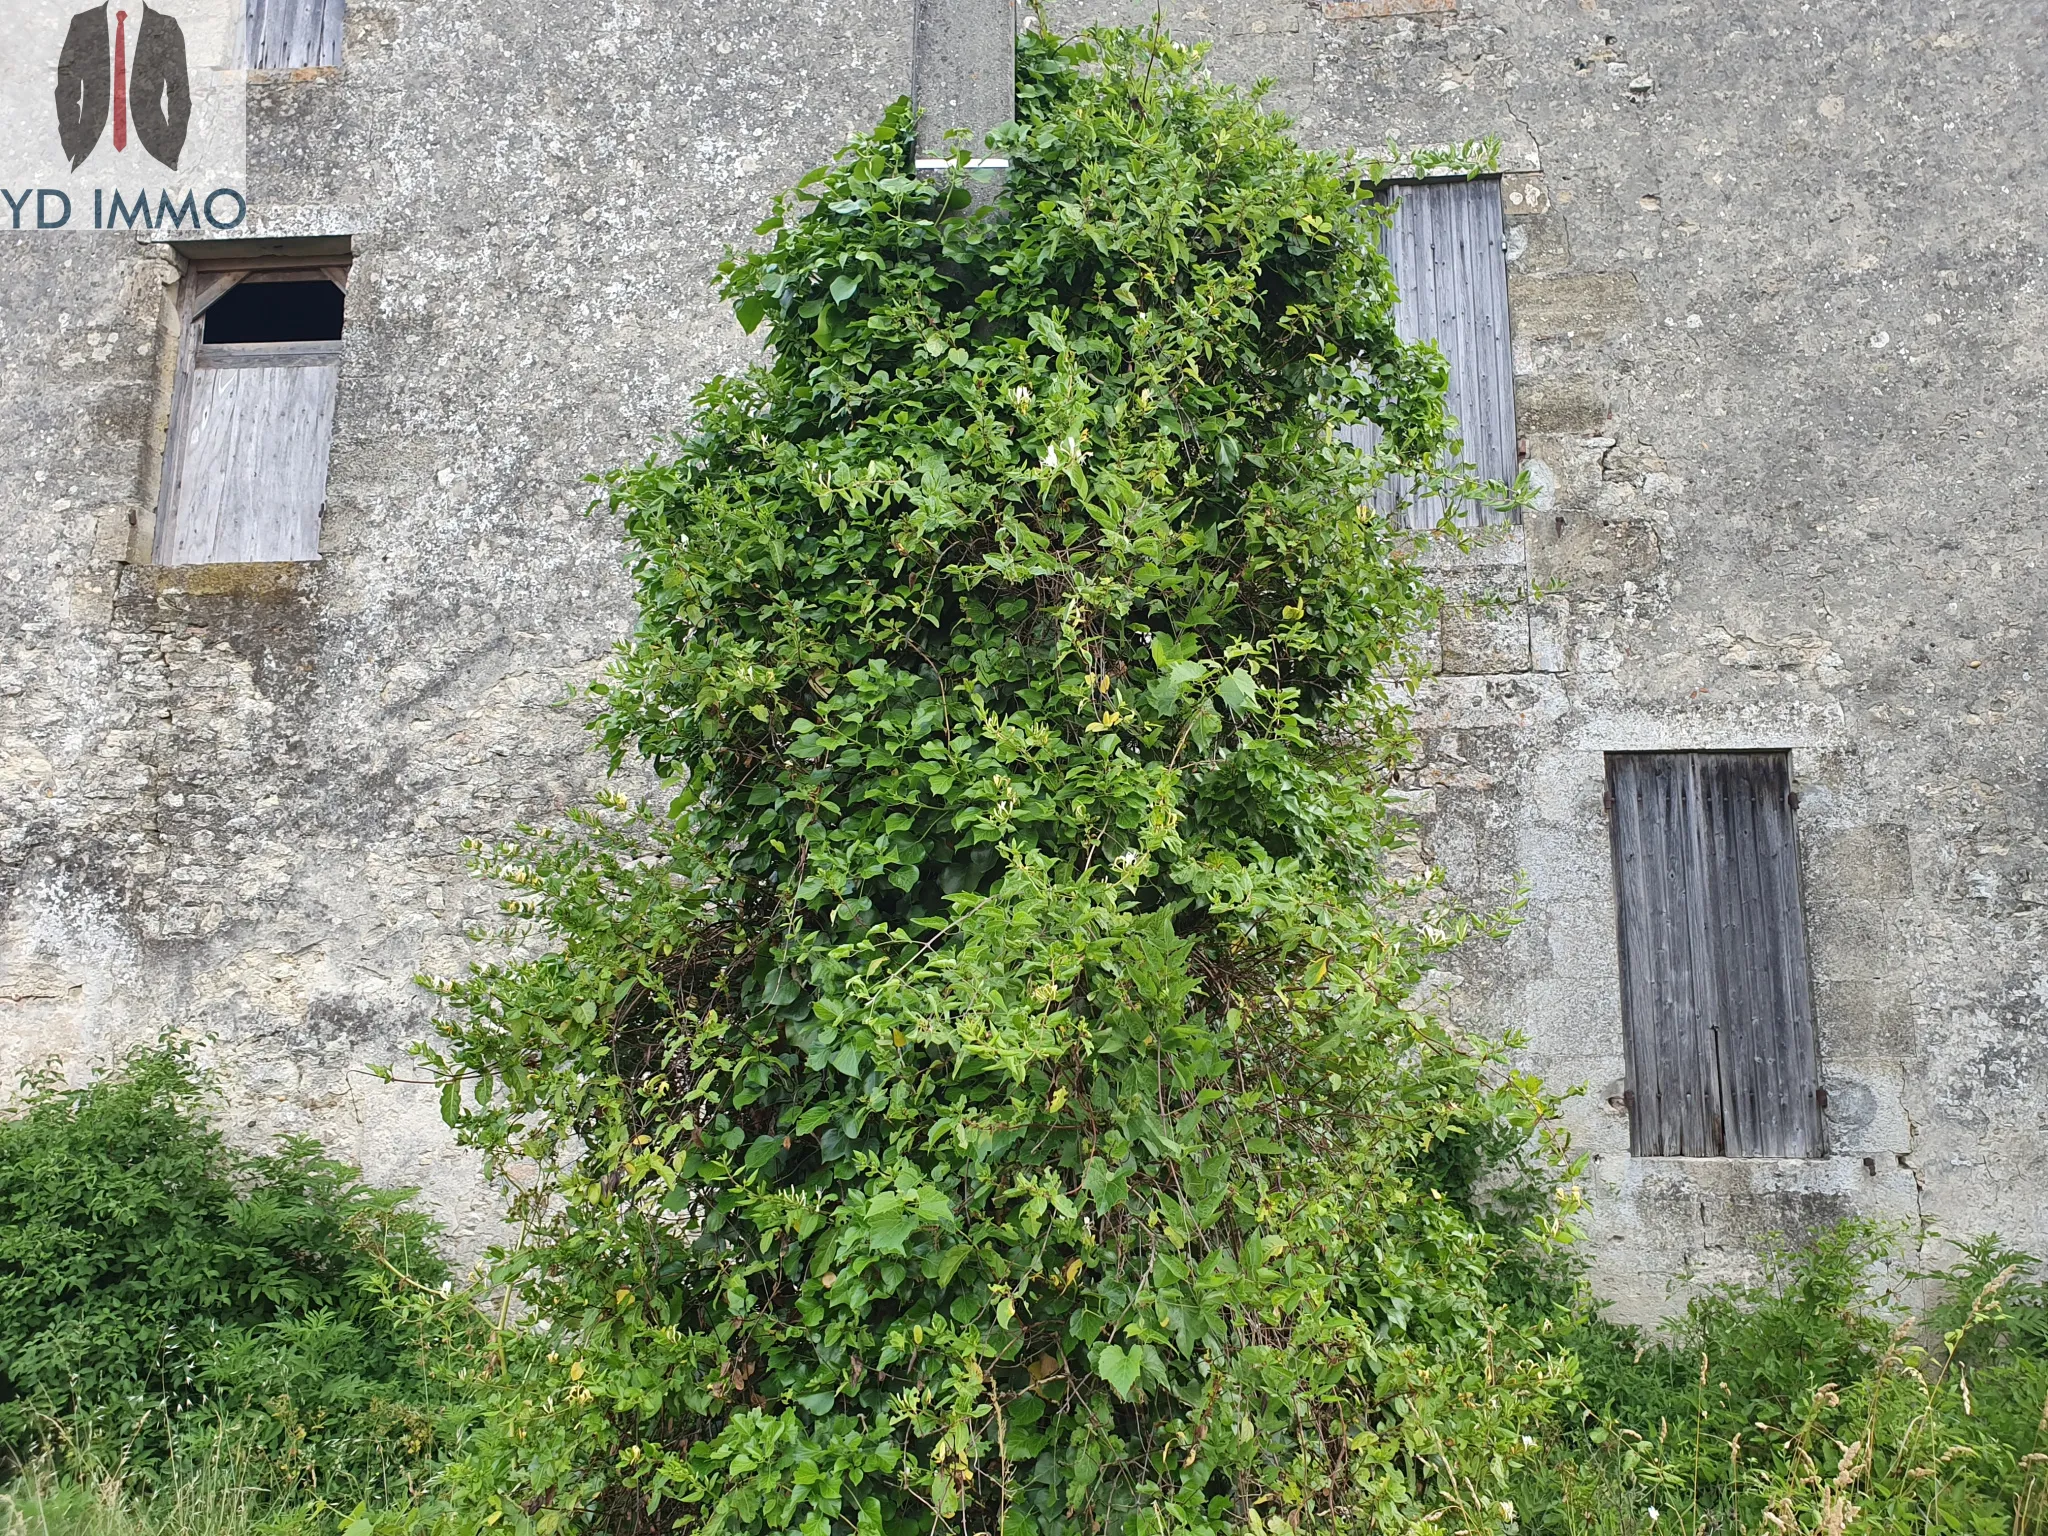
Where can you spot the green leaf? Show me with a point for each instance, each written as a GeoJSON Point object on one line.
{"type": "Point", "coordinates": [1120, 1368]}
{"type": "Point", "coordinates": [951, 1260]}
{"type": "Point", "coordinates": [890, 1233]}
{"type": "Point", "coordinates": [750, 311]}
{"type": "Point", "coordinates": [1238, 691]}
{"type": "Point", "coordinates": [844, 288]}
{"type": "Point", "coordinates": [812, 1118]}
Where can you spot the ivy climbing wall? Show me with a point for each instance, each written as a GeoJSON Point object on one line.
{"type": "Point", "coordinates": [1777, 299]}
{"type": "Point", "coordinates": [1781, 330]}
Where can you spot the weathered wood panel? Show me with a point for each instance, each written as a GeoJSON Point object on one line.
{"type": "Point", "coordinates": [294, 34]}
{"type": "Point", "coordinates": [1449, 253]}
{"type": "Point", "coordinates": [1717, 1009]}
{"type": "Point", "coordinates": [266, 354]}
{"type": "Point", "coordinates": [250, 463]}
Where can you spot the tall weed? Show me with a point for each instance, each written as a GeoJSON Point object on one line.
{"type": "Point", "coordinates": [81, 1493]}
{"type": "Point", "coordinates": [1812, 1400]}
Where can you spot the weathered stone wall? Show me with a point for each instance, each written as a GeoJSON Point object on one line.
{"type": "Point", "coordinates": [235, 799]}
{"type": "Point", "coordinates": [1780, 311]}
{"type": "Point", "coordinates": [1781, 338]}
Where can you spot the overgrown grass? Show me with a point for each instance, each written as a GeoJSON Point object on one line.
{"type": "Point", "coordinates": [1813, 1400]}
{"type": "Point", "coordinates": [74, 1493]}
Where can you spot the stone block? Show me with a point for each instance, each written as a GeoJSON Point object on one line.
{"type": "Point", "coordinates": [1590, 554]}
{"type": "Point", "coordinates": [1662, 1225]}
{"type": "Point", "coordinates": [1867, 863]}
{"type": "Point", "coordinates": [1559, 406]}
{"type": "Point", "coordinates": [1583, 305]}
{"type": "Point", "coordinates": [1549, 629]}
{"type": "Point", "coordinates": [1368, 10]}
{"type": "Point", "coordinates": [1864, 1017]}
{"type": "Point", "coordinates": [1494, 559]}
{"type": "Point", "coordinates": [1288, 59]}
{"type": "Point", "coordinates": [1484, 638]}
{"type": "Point", "coordinates": [1538, 244]}
{"type": "Point", "coordinates": [1523, 194]}
{"type": "Point", "coordinates": [1866, 1111]}
{"type": "Point", "coordinates": [1849, 938]}
{"type": "Point", "coordinates": [1260, 18]}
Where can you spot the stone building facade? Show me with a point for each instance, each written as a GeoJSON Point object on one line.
{"type": "Point", "coordinates": [1780, 342]}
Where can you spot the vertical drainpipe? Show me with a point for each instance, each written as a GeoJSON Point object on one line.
{"type": "Point", "coordinates": [963, 75]}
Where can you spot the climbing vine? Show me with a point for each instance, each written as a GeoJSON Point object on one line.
{"type": "Point", "coordinates": [988, 1091]}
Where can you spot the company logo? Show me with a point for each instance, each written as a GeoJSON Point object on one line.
{"type": "Point", "coordinates": [154, 92]}
{"type": "Point", "coordinates": [123, 116]}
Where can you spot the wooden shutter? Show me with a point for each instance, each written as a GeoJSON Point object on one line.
{"type": "Point", "coordinates": [251, 464]}
{"type": "Point", "coordinates": [294, 34]}
{"type": "Point", "coordinates": [1717, 1008]}
{"type": "Point", "coordinates": [245, 460]}
{"type": "Point", "coordinates": [1449, 254]}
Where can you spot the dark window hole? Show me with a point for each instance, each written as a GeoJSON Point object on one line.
{"type": "Point", "coordinates": [289, 311]}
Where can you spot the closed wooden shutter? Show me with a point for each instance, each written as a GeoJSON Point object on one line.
{"type": "Point", "coordinates": [294, 34]}
{"type": "Point", "coordinates": [255, 423]}
{"type": "Point", "coordinates": [1449, 253]}
{"type": "Point", "coordinates": [252, 415]}
{"type": "Point", "coordinates": [1717, 1008]}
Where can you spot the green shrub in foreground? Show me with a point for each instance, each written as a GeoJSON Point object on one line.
{"type": "Point", "coordinates": [164, 1296]}
{"type": "Point", "coordinates": [986, 1094]}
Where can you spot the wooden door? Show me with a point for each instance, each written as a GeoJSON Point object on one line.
{"type": "Point", "coordinates": [1717, 1007]}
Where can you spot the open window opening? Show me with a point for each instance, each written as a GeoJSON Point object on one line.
{"type": "Point", "coordinates": [252, 407]}
{"type": "Point", "coordinates": [288, 307]}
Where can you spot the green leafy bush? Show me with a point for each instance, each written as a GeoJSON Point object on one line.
{"type": "Point", "coordinates": [1811, 1318]}
{"type": "Point", "coordinates": [988, 1093]}
{"type": "Point", "coordinates": [158, 1289]}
